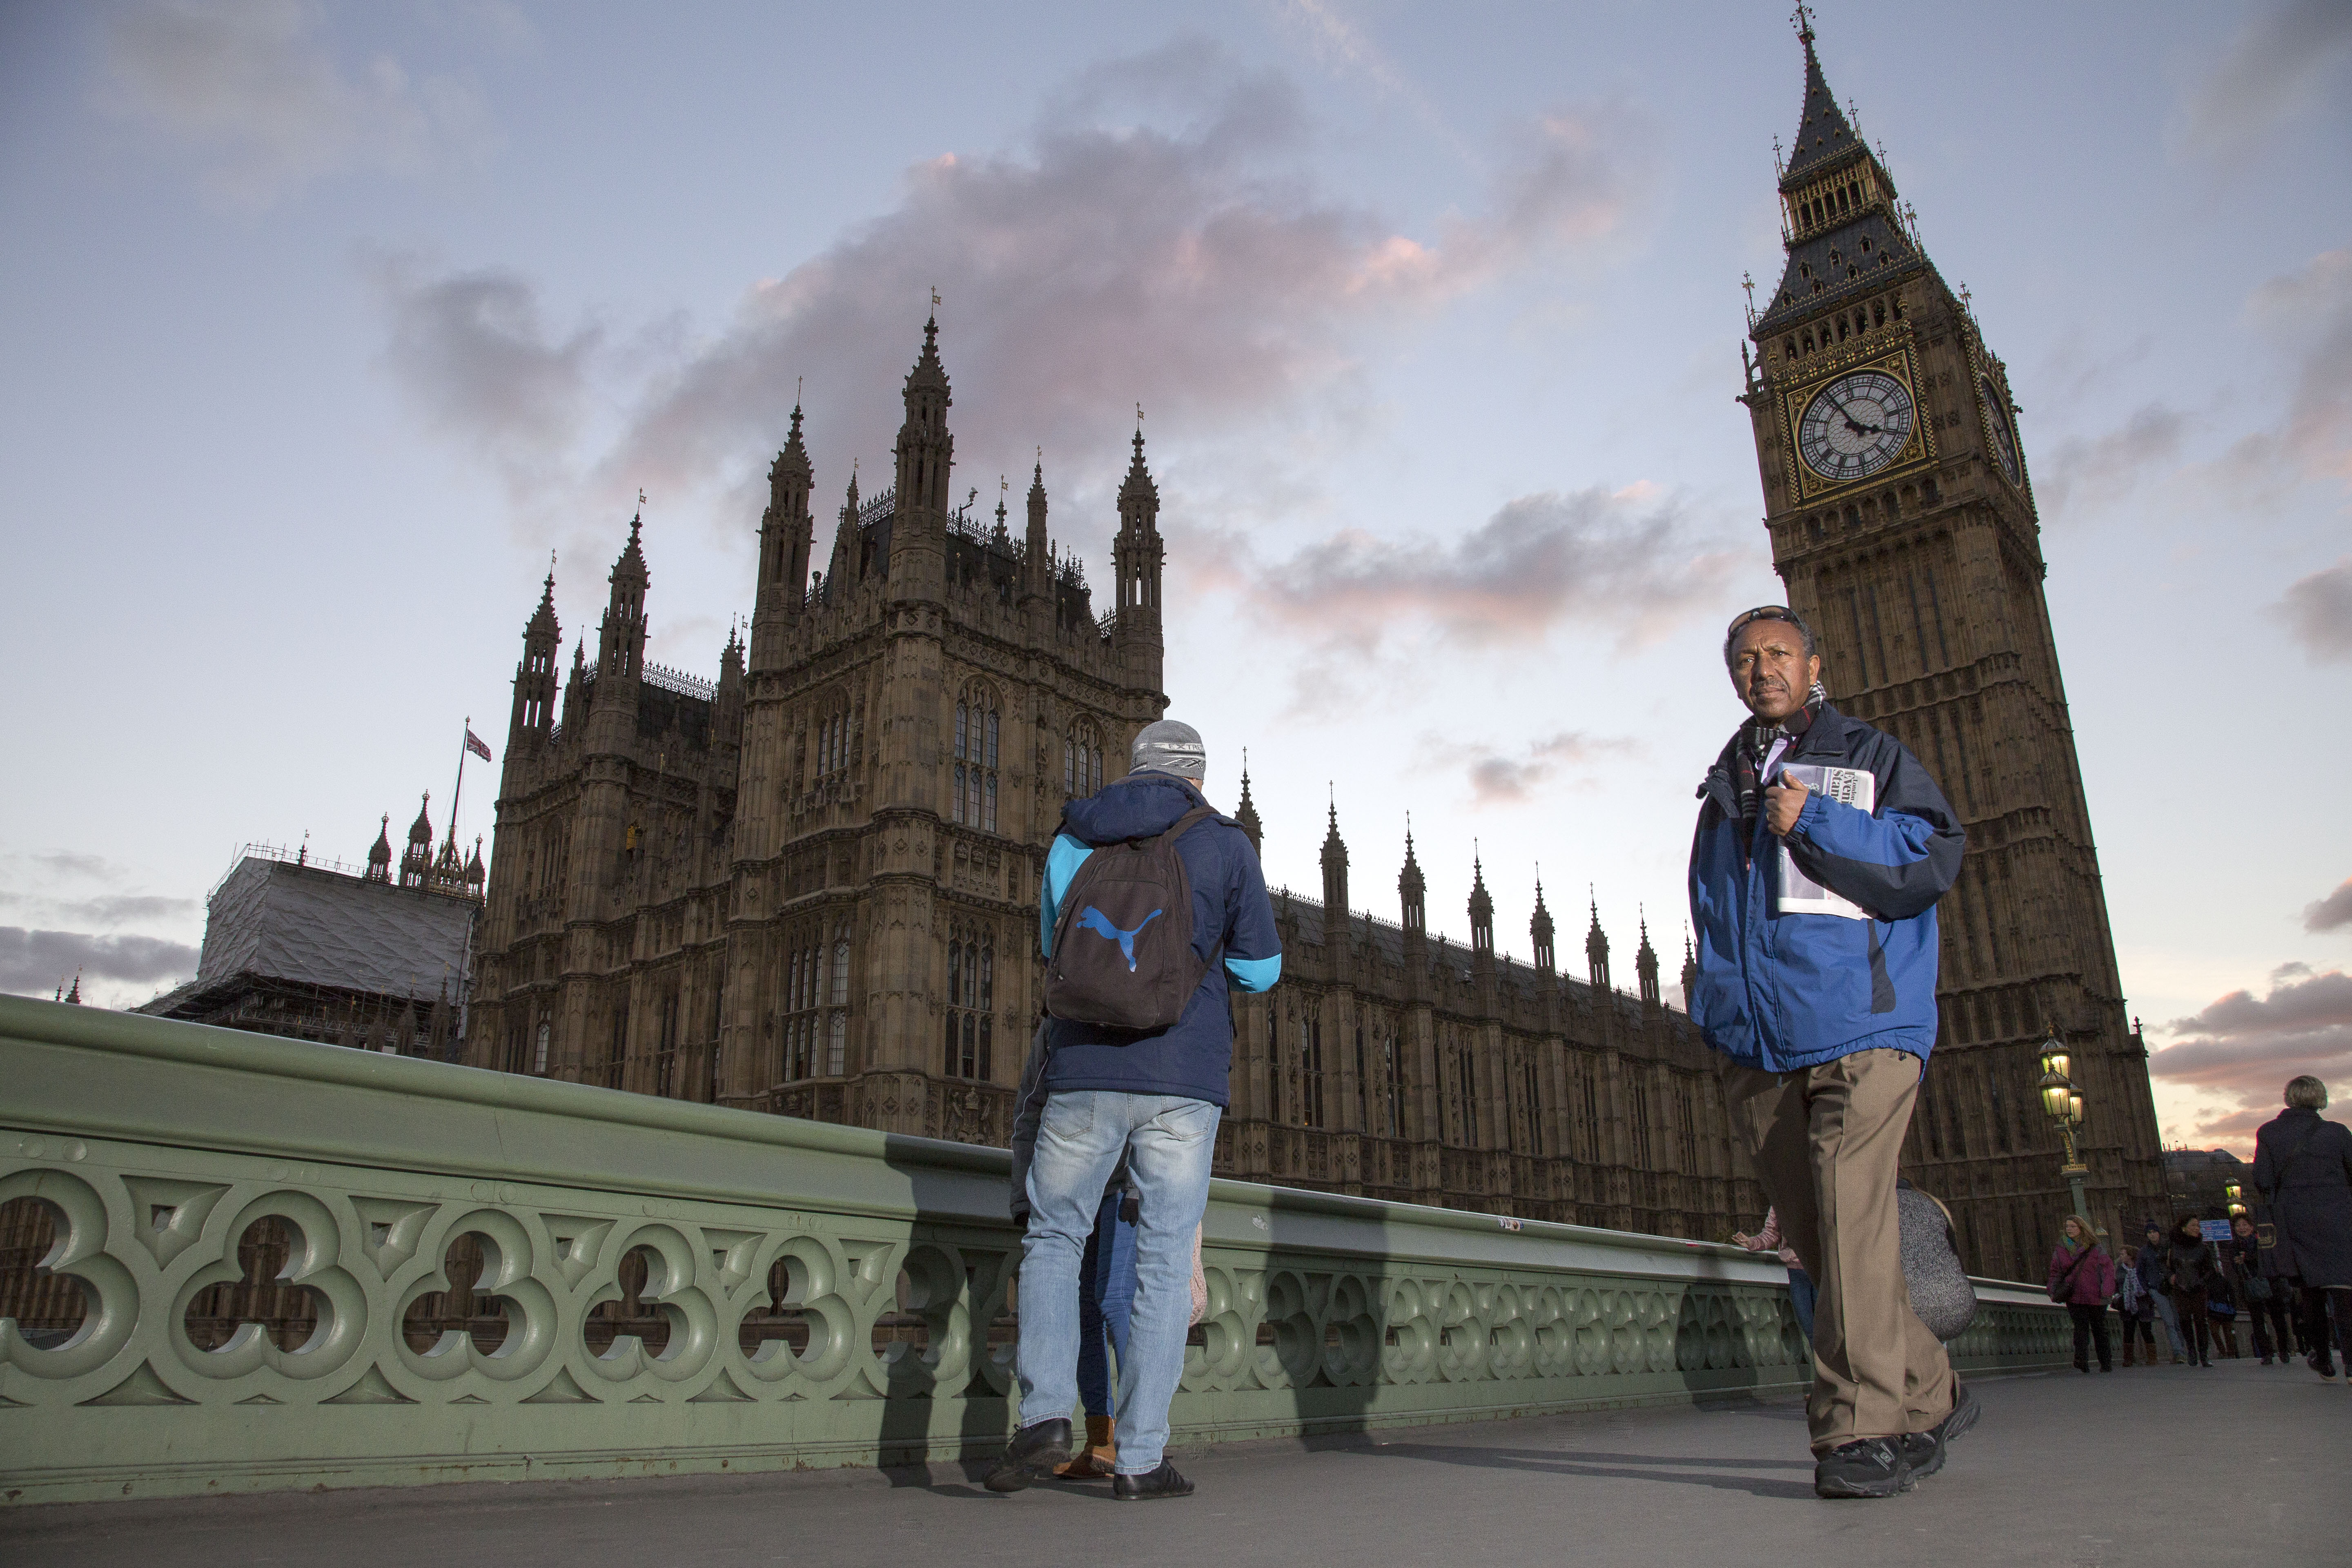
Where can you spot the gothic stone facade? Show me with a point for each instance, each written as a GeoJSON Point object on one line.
{"type": "Point", "coordinates": [1399, 1065]}
{"type": "Point", "coordinates": [810, 888]}
{"type": "Point", "coordinates": [1903, 521]}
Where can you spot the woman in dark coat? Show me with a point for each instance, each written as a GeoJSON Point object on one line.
{"type": "Point", "coordinates": [2188, 1270]}
{"type": "Point", "coordinates": [2303, 1168]}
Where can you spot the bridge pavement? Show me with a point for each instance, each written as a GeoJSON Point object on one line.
{"type": "Point", "coordinates": [2241, 1464]}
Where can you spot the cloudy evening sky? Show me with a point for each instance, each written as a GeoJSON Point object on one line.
{"type": "Point", "coordinates": [325, 324]}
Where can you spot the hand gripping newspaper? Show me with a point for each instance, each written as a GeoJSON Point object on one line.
{"type": "Point", "coordinates": [1799, 894]}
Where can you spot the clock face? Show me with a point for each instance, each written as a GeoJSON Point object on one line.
{"type": "Point", "coordinates": [1855, 425]}
{"type": "Point", "coordinates": [2004, 435]}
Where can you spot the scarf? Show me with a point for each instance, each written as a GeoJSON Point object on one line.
{"type": "Point", "coordinates": [1755, 739]}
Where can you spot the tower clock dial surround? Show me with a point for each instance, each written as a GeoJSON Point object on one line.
{"type": "Point", "coordinates": [2004, 434]}
{"type": "Point", "coordinates": [1855, 425]}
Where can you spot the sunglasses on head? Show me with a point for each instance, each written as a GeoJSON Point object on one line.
{"type": "Point", "coordinates": [1763, 613]}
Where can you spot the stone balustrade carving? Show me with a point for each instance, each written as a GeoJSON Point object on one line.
{"type": "Point", "coordinates": [659, 1286]}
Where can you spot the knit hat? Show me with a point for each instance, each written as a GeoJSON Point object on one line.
{"type": "Point", "coordinates": [1169, 747]}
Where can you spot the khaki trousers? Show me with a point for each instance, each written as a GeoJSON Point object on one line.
{"type": "Point", "coordinates": [1827, 1142]}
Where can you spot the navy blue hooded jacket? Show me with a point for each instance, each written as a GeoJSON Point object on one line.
{"type": "Point", "coordinates": [1230, 911]}
{"type": "Point", "coordinates": [1783, 992]}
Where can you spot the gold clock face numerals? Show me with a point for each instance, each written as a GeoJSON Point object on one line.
{"type": "Point", "coordinates": [1855, 425]}
{"type": "Point", "coordinates": [2004, 434]}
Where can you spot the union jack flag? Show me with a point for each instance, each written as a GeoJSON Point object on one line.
{"type": "Point", "coordinates": [474, 744]}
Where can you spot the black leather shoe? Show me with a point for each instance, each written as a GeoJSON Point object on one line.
{"type": "Point", "coordinates": [1161, 1482]}
{"type": "Point", "coordinates": [1867, 1467]}
{"type": "Point", "coordinates": [1035, 1453]}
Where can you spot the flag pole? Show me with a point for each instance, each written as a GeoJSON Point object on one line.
{"type": "Point", "coordinates": [456, 794]}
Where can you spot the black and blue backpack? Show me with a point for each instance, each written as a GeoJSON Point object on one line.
{"type": "Point", "coordinates": [1123, 954]}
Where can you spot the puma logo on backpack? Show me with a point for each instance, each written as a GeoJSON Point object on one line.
{"type": "Point", "coordinates": [1094, 919]}
{"type": "Point", "coordinates": [1118, 963]}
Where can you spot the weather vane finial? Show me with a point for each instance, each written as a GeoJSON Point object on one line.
{"type": "Point", "coordinates": [1803, 17]}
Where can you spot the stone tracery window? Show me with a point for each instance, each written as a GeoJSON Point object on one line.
{"type": "Point", "coordinates": [816, 1003]}
{"type": "Point", "coordinates": [970, 1027]}
{"type": "Point", "coordinates": [1082, 760]}
{"type": "Point", "coordinates": [973, 797]}
{"type": "Point", "coordinates": [833, 737]}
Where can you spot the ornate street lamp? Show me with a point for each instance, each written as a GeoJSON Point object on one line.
{"type": "Point", "coordinates": [2062, 1103]}
{"type": "Point", "coordinates": [2236, 1195]}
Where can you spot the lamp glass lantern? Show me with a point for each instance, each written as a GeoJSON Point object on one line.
{"type": "Point", "coordinates": [2055, 1058]}
{"type": "Point", "coordinates": [2056, 1091]}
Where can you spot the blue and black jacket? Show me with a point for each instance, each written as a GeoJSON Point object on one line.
{"type": "Point", "coordinates": [1785, 992]}
{"type": "Point", "coordinates": [1231, 914]}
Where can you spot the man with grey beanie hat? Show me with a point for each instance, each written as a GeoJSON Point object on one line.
{"type": "Point", "coordinates": [1153, 1096]}
{"type": "Point", "coordinates": [1170, 746]}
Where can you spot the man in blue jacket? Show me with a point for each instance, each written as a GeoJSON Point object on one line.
{"type": "Point", "coordinates": [1821, 849]}
{"type": "Point", "coordinates": [1155, 1098]}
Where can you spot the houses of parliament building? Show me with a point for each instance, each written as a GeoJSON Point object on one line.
{"type": "Point", "coordinates": [809, 887]}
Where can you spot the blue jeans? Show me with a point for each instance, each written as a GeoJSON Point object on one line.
{"type": "Point", "coordinates": [1168, 1140]}
{"type": "Point", "coordinates": [1105, 1301]}
{"type": "Point", "coordinates": [2171, 1318]}
{"type": "Point", "coordinates": [1800, 1296]}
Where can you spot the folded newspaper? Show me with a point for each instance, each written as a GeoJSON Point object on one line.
{"type": "Point", "coordinates": [1799, 894]}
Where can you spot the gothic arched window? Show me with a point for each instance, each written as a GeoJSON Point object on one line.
{"type": "Point", "coordinates": [539, 1057]}
{"type": "Point", "coordinates": [970, 1028]}
{"type": "Point", "coordinates": [1082, 760]}
{"type": "Point", "coordinates": [831, 741]}
{"type": "Point", "coordinates": [972, 799]}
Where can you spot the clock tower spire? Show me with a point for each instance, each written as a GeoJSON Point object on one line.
{"type": "Point", "coordinates": [1902, 520]}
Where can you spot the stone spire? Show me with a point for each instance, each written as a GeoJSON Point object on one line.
{"type": "Point", "coordinates": [1412, 889]}
{"type": "Point", "coordinates": [1036, 568]}
{"type": "Point", "coordinates": [1482, 908]}
{"type": "Point", "coordinates": [1136, 557]}
{"type": "Point", "coordinates": [1246, 812]}
{"type": "Point", "coordinates": [1334, 877]}
{"type": "Point", "coordinates": [786, 532]}
{"type": "Point", "coordinates": [534, 682]}
{"type": "Point", "coordinates": [925, 452]}
{"type": "Point", "coordinates": [1540, 929]}
{"type": "Point", "coordinates": [837, 572]}
{"type": "Point", "coordinates": [416, 860]}
{"type": "Point", "coordinates": [379, 860]}
{"type": "Point", "coordinates": [1843, 225]}
{"type": "Point", "coordinates": [1823, 133]}
{"type": "Point", "coordinates": [1645, 966]}
{"type": "Point", "coordinates": [1596, 950]}
{"type": "Point", "coordinates": [1690, 970]}
{"type": "Point", "coordinates": [621, 639]}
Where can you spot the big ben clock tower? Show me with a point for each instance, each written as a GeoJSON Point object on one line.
{"type": "Point", "coordinates": [1903, 521]}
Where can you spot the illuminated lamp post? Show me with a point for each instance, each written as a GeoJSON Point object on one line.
{"type": "Point", "coordinates": [2236, 1195]}
{"type": "Point", "coordinates": [2062, 1103]}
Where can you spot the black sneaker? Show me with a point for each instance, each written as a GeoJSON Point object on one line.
{"type": "Point", "coordinates": [1867, 1467]}
{"type": "Point", "coordinates": [1160, 1483]}
{"type": "Point", "coordinates": [1035, 1453]}
{"type": "Point", "coordinates": [1925, 1452]}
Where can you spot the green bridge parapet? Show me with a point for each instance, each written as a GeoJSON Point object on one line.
{"type": "Point", "coordinates": [801, 1295]}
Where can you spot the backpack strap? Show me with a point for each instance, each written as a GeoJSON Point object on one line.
{"type": "Point", "coordinates": [1186, 823]}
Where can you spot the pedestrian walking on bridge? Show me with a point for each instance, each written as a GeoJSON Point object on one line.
{"type": "Point", "coordinates": [2083, 1276]}
{"type": "Point", "coordinates": [2303, 1168]}
{"type": "Point", "coordinates": [1821, 848]}
{"type": "Point", "coordinates": [1153, 907]}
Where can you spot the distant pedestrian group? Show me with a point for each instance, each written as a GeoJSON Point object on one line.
{"type": "Point", "coordinates": [2287, 1267]}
